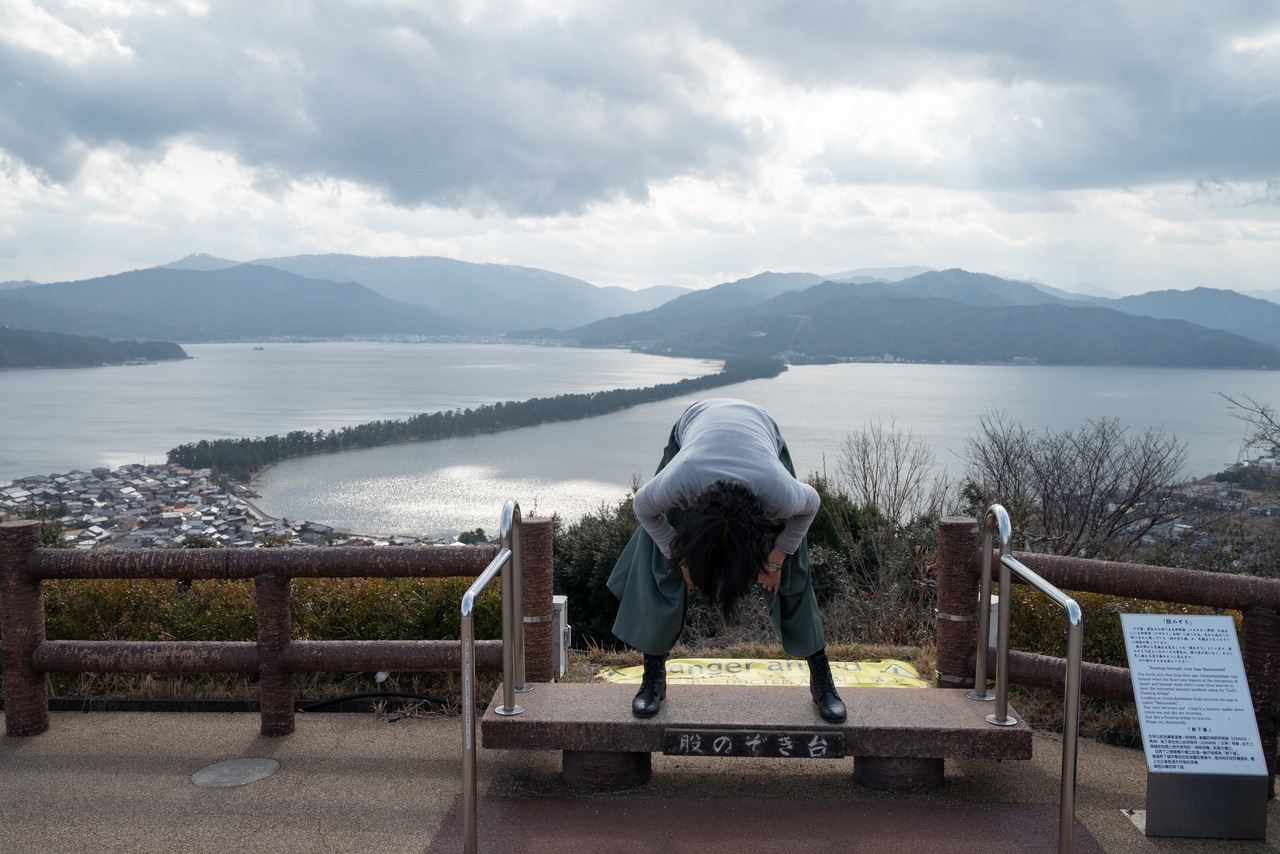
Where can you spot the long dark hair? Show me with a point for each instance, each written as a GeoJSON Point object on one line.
{"type": "Point", "coordinates": [724, 539]}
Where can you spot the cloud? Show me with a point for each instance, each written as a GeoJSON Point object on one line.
{"type": "Point", "coordinates": [26, 26]}
{"type": "Point", "coordinates": [546, 117]}
{"type": "Point", "coordinates": [1048, 95]}
{"type": "Point", "coordinates": [540, 112]}
{"type": "Point", "coordinates": [628, 143]}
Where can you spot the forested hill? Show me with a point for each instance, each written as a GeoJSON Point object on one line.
{"type": "Point", "coordinates": [244, 302]}
{"type": "Point", "coordinates": [933, 330]}
{"type": "Point", "coordinates": [946, 316]}
{"type": "Point", "coordinates": [239, 458]}
{"type": "Point", "coordinates": [23, 348]}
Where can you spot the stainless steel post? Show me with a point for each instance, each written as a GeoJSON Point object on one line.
{"type": "Point", "coordinates": [980, 691]}
{"type": "Point", "coordinates": [469, 824]}
{"type": "Point", "coordinates": [1075, 653]}
{"type": "Point", "coordinates": [1071, 729]}
{"type": "Point", "coordinates": [511, 539]}
{"type": "Point", "coordinates": [512, 613]}
{"type": "Point", "coordinates": [1001, 715]}
{"type": "Point", "coordinates": [502, 563]}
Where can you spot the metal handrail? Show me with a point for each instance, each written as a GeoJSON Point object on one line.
{"type": "Point", "coordinates": [508, 562]}
{"type": "Point", "coordinates": [998, 517]}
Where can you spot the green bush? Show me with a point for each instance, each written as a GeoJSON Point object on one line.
{"type": "Point", "coordinates": [832, 538]}
{"type": "Point", "coordinates": [1039, 625]}
{"type": "Point", "coordinates": [583, 555]}
{"type": "Point", "coordinates": [323, 609]}
{"type": "Point", "coordinates": [869, 591]}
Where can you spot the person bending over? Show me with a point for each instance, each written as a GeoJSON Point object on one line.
{"type": "Point", "coordinates": [723, 512]}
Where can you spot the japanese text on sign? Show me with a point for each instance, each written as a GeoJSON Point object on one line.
{"type": "Point", "coordinates": [1192, 696]}
{"type": "Point", "coordinates": [787, 744]}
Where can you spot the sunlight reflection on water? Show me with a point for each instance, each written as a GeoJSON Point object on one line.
{"type": "Point", "coordinates": [572, 468]}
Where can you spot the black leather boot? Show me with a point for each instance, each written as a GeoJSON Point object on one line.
{"type": "Point", "coordinates": [823, 688]}
{"type": "Point", "coordinates": [653, 687]}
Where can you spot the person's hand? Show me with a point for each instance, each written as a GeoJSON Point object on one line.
{"type": "Point", "coordinates": [771, 581]}
{"type": "Point", "coordinates": [688, 582]}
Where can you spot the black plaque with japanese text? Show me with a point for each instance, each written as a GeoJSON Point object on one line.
{"type": "Point", "coordinates": [780, 744]}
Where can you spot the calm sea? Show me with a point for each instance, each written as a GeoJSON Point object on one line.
{"type": "Point", "coordinates": [58, 420]}
{"type": "Point", "coordinates": [574, 468]}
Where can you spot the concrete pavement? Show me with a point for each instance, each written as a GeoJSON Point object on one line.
{"type": "Point", "coordinates": [121, 782]}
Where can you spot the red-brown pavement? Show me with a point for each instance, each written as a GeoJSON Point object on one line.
{"type": "Point", "coordinates": [121, 782]}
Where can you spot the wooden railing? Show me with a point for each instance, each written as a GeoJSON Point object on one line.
{"type": "Point", "coordinates": [275, 656]}
{"type": "Point", "coordinates": [959, 573]}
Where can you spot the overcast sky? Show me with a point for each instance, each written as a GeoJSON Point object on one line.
{"type": "Point", "coordinates": [1134, 145]}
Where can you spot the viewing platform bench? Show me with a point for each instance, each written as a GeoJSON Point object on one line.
{"type": "Point", "coordinates": [898, 737]}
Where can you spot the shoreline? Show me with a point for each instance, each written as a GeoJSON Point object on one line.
{"type": "Point", "coordinates": [166, 505]}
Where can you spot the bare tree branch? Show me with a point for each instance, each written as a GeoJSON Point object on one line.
{"type": "Point", "coordinates": [890, 470]}
{"type": "Point", "coordinates": [1264, 423]}
{"type": "Point", "coordinates": [1094, 492]}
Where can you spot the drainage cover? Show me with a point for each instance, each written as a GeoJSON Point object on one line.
{"type": "Point", "coordinates": [234, 772]}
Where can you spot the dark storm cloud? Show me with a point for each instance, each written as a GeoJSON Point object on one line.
{"type": "Point", "coordinates": [530, 114]}
{"type": "Point", "coordinates": [539, 118]}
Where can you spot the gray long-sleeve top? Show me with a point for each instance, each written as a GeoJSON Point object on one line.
{"type": "Point", "coordinates": [729, 439]}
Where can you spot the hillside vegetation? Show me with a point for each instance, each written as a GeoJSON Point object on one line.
{"type": "Point", "coordinates": [947, 316]}
{"type": "Point", "coordinates": [22, 348]}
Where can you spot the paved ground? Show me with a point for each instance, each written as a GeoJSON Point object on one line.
{"type": "Point", "coordinates": [121, 782]}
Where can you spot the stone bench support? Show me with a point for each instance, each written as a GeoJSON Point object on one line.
{"type": "Point", "coordinates": [898, 737]}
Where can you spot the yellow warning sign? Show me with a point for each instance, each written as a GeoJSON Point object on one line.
{"type": "Point", "coordinates": [886, 673]}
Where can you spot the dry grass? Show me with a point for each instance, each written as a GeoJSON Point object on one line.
{"type": "Point", "coordinates": [1103, 720]}
{"type": "Point", "coordinates": [446, 687]}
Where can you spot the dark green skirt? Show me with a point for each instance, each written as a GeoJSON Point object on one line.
{"type": "Point", "coordinates": [652, 598]}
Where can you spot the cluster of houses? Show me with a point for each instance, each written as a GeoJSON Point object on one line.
{"type": "Point", "coordinates": [160, 506]}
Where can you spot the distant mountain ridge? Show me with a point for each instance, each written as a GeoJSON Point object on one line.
{"type": "Point", "coordinates": [1253, 318]}
{"type": "Point", "coordinates": [491, 298]}
{"type": "Point", "coordinates": [235, 303]}
{"type": "Point", "coordinates": [204, 298]}
{"type": "Point", "coordinates": [882, 274]}
{"type": "Point", "coordinates": [693, 310]}
{"type": "Point", "coordinates": [939, 316]}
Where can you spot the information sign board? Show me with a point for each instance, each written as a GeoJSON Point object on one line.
{"type": "Point", "coordinates": [1206, 774]}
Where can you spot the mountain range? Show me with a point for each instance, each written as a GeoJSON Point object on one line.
{"type": "Point", "coordinates": [909, 313]}
{"type": "Point", "coordinates": [945, 316]}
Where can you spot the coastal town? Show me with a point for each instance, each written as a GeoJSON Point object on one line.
{"type": "Point", "coordinates": [171, 506]}
{"type": "Point", "coordinates": [162, 506]}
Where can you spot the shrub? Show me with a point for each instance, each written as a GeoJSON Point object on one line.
{"type": "Point", "coordinates": [870, 590]}
{"type": "Point", "coordinates": [1039, 625]}
{"type": "Point", "coordinates": [323, 609]}
{"type": "Point", "coordinates": [583, 555]}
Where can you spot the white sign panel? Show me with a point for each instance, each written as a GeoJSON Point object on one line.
{"type": "Point", "coordinates": [1192, 695]}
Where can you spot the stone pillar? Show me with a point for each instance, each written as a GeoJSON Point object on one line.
{"type": "Point", "coordinates": [539, 649]}
{"type": "Point", "coordinates": [26, 699]}
{"type": "Point", "coordinates": [897, 774]}
{"type": "Point", "coordinates": [275, 629]}
{"type": "Point", "coordinates": [604, 771]}
{"type": "Point", "coordinates": [1260, 649]}
{"type": "Point", "coordinates": [956, 628]}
